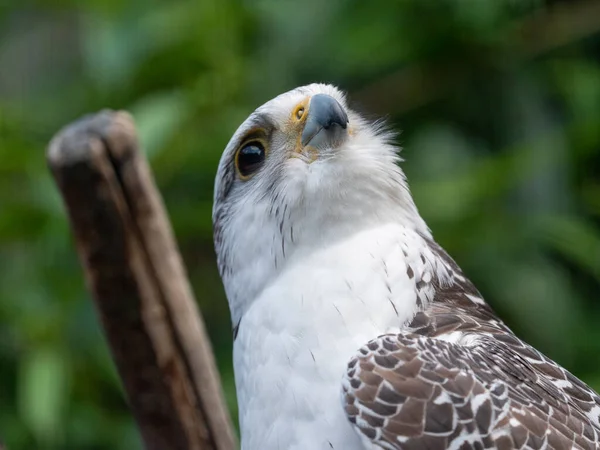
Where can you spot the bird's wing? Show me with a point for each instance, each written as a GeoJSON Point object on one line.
{"type": "Point", "coordinates": [458, 378]}
{"type": "Point", "coordinates": [471, 391]}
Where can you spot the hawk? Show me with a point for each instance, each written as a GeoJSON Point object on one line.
{"type": "Point", "coordinates": [353, 328]}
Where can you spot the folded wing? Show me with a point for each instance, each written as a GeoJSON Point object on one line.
{"type": "Point", "coordinates": [472, 391]}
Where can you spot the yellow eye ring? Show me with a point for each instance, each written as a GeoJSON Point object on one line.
{"type": "Point", "coordinates": [299, 111]}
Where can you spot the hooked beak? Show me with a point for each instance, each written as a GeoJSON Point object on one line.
{"type": "Point", "coordinates": [326, 124]}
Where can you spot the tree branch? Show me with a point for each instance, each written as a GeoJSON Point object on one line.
{"type": "Point", "coordinates": [138, 281]}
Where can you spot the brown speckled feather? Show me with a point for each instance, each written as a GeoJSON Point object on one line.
{"type": "Point", "coordinates": [458, 378]}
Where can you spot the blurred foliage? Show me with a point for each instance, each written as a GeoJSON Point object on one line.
{"type": "Point", "coordinates": [498, 100]}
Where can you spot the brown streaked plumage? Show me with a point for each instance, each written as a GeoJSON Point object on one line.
{"type": "Point", "coordinates": [459, 378]}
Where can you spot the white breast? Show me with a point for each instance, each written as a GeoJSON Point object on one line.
{"type": "Point", "coordinates": [296, 338]}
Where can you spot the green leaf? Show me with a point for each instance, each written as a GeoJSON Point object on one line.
{"type": "Point", "coordinates": [157, 117]}
{"type": "Point", "coordinates": [574, 238]}
{"type": "Point", "coordinates": [42, 394]}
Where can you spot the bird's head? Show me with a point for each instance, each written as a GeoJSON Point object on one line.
{"type": "Point", "coordinates": [303, 170]}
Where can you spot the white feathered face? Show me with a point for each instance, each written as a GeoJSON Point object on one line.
{"type": "Point", "coordinates": [301, 171]}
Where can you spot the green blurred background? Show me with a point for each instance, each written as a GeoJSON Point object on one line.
{"type": "Point", "coordinates": [499, 106]}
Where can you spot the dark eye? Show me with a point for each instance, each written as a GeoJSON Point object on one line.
{"type": "Point", "coordinates": [250, 158]}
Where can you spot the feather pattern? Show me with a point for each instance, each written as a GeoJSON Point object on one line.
{"type": "Point", "coordinates": [458, 378]}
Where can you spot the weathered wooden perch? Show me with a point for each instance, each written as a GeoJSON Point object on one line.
{"type": "Point", "coordinates": [136, 276]}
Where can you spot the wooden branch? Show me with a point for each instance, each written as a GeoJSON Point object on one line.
{"type": "Point", "coordinates": [138, 281]}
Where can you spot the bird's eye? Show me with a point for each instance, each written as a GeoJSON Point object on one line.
{"type": "Point", "coordinates": [250, 158]}
{"type": "Point", "coordinates": [299, 113]}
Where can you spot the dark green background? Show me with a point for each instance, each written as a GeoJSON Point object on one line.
{"type": "Point", "coordinates": [499, 106]}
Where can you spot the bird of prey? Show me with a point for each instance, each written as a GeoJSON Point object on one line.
{"type": "Point", "coordinates": [353, 328]}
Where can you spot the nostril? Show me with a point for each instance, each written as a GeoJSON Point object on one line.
{"type": "Point", "coordinates": [332, 123]}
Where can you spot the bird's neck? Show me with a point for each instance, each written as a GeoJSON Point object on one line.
{"type": "Point", "coordinates": [292, 235]}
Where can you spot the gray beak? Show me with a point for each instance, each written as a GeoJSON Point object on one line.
{"type": "Point", "coordinates": [326, 124]}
